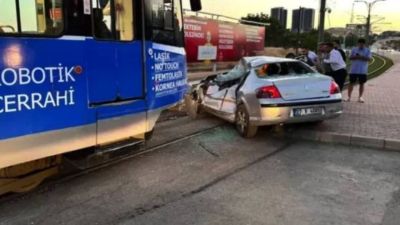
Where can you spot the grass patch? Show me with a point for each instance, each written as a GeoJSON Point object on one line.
{"type": "Point", "coordinates": [380, 65]}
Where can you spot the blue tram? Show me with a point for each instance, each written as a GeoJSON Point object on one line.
{"type": "Point", "coordinates": [81, 73]}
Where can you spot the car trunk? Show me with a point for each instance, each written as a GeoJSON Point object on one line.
{"type": "Point", "coordinates": [303, 87]}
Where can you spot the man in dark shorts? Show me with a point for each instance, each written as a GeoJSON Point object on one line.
{"type": "Point", "coordinates": [360, 56]}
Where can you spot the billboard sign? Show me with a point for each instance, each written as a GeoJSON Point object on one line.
{"type": "Point", "coordinates": [208, 39]}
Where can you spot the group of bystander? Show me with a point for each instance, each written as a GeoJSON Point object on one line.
{"type": "Point", "coordinates": [333, 62]}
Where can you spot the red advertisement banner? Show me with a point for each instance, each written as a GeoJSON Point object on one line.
{"type": "Point", "coordinates": [208, 39]}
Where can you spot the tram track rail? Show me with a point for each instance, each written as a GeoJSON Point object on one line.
{"type": "Point", "coordinates": [61, 178]}
{"type": "Point", "coordinates": [133, 189]}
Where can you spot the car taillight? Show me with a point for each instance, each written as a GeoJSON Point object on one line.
{"type": "Point", "coordinates": [268, 92]}
{"type": "Point", "coordinates": [334, 88]}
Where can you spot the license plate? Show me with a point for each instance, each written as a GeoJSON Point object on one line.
{"type": "Point", "coordinates": [308, 111]}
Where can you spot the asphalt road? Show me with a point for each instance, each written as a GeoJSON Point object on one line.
{"type": "Point", "coordinates": [216, 177]}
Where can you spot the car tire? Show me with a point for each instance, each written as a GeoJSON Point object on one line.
{"type": "Point", "coordinates": [192, 106]}
{"type": "Point", "coordinates": [317, 122]}
{"type": "Point", "coordinates": [242, 122]}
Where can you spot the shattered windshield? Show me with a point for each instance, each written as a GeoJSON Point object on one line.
{"type": "Point", "coordinates": [237, 72]}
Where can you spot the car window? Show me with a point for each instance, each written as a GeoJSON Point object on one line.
{"type": "Point", "coordinates": [283, 69]}
{"type": "Point", "coordinates": [31, 17]}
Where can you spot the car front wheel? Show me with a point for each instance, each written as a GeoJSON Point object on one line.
{"type": "Point", "coordinates": [243, 125]}
{"type": "Point", "coordinates": [192, 106]}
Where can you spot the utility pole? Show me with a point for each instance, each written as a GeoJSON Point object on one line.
{"type": "Point", "coordinates": [369, 5]}
{"type": "Point", "coordinates": [352, 14]}
{"type": "Point", "coordinates": [368, 28]}
{"type": "Point", "coordinates": [299, 19]}
{"type": "Point", "coordinates": [321, 28]}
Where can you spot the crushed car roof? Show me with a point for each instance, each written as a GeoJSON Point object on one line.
{"type": "Point", "coordinates": [256, 61]}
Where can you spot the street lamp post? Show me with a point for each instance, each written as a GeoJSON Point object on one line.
{"type": "Point", "coordinates": [369, 5]}
{"type": "Point", "coordinates": [298, 44]}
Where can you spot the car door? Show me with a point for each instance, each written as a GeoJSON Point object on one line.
{"type": "Point", "coordinates": [228, 104]}
{"type": "Point", "coordinates": [114, 55]}
{"type": "Point", "coordinates": [116, 78]}
{"type": "Point", "coordinates": [214, 97]}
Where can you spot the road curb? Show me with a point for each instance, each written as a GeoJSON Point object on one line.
{"type": "Point", "coordinates": [343, 139]}
{"type": "Point", "coordinates": [370, 142]}
{"type": "Point", "coordinates": [392, 144]}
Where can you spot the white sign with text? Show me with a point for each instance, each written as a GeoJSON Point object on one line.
{"type": "Point", "coordinates": [207, 53]}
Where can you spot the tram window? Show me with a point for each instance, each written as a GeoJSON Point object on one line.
{"type": "Point", "coordinates": [8, 17]}
{"type": "Point", "coordinates": [78, 18]}
{"type": "Point", "coordinates": [34, 17]}
{"type": "Point", "coordinates": [166, 22]}
{"type": "Point", "coordinates": [113, 19]}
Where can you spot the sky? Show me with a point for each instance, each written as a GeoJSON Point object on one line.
{"type": "Point", "coordinates": [339, 17]}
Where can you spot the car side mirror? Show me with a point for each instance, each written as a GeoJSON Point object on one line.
{"type": "Point", "coordinates": [195, 5]}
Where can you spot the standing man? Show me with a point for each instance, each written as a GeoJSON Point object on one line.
{"type": "Point", "coordinates": [360, 56]}
{"type": "Point", "coordinates": [336, 43]}
{"type": "Point", "coordinates": [337, 64]}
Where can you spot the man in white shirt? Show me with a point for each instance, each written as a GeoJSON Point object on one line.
{"type": "Point", "coordinates": [337, 64]}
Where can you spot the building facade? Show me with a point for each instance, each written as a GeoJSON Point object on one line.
{"type": "Point", "coordinates": [357, 29]}
{"type": "Point", "coordinates": [303, 20]}
{"type": "Point", "coordinates": [280, 14]}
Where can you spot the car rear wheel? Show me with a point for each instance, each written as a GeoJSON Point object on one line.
{"type": "Point", "coordinates": [317, 122]}
{"type": "Point", "coordinates": [243, 125]}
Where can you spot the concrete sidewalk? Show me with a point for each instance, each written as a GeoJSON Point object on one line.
{"type": "Point", "coordinates": [375, 123]}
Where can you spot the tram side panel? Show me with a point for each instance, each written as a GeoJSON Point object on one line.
{"type": "Point", "coordinates": [46, 103]}
{"type": "Point", "coordinates": [64, 94]}
{"type": "Point", "coordinates": [43, 99]}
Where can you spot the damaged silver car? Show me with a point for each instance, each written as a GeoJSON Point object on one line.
{"type": "Point", "coordinates": [263, 91]}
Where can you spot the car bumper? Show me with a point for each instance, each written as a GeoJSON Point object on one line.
{"type": "Point", "coordinates": [271, 115]}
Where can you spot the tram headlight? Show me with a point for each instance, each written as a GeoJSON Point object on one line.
{"type": "Point", "coordinates": [13, 56]}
